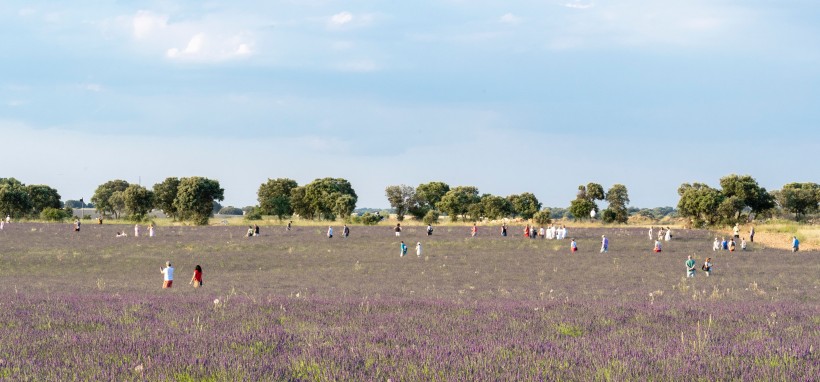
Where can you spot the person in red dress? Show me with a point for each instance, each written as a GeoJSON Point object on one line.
{"type": "Point", "coordinates": [196, 280]}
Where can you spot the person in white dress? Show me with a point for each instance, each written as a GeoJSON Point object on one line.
{"type": "Point", "coordinates": [668, 235]}
{"type": "Point", "coordinates": [650, 234]}
{"type": "Point", "coordinates": [418, 249]}
{"type": "Point", "coordinates": [151, 230]}
{"type": "Point", "coordinates": [136, 230]}
{"type": "Point", "coordinates": [716, 245]}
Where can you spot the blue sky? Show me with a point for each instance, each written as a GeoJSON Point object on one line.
{"type": "Point", "coordinates": [508, 96]}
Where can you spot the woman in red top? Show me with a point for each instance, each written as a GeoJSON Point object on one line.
{"type": "Point", "coordinates": [197, 279]}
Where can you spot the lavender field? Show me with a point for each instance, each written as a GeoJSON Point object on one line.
{"type": "Point", "coordinates": [289, 306]}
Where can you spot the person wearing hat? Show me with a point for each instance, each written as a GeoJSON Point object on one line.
{"type": "Point", "coordinates": [168, 275]}
{"type": "Point", "coordinates": [604, 244]}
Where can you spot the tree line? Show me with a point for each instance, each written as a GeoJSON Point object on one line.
{"type": "Point", "coordinates": [739, 198]}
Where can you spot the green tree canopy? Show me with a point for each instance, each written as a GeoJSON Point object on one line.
{"type": "Point", "coordinates": [700, 203]}
{"type": "Point", "coordinates": [799, 198]}
{"type": "Point", "coordinates": [321, 195]}
{"type": "Point", "coordinates": [14, 198]}
{"type": "Point", "coordinates": [164, 195]}
{"type": "Point", "coordinates": [274, 197]}
{"type": "Point", "coordinates": [524, 205]}
{"type": "Point", "coordinates": [102, 196]}
{"type": "Point", "coordinates": [138, 201]}
{"type": "Point", "coordinates": [457, 201]}
{"type": "Point", "coordinates": [618, 198]}
{"type": "Point", "coordinates": [427, 197]}
{"type": "Point", "coordinates": [401, 198]}
{"type": "Point", "coordinates": [195, 198]}
{"type": "Point", "coordinates": [42, 197]}
{"type": "Point", "coordinates": [748, 193]}
{"type": "Point", "coordinates": [495, 207]}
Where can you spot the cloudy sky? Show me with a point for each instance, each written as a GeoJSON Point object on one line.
{"type": "Point", "coordinates": [508, 96]}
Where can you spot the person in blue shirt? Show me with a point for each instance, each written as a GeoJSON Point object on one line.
{"type": "Point", "coordinates": [403, 248]}
{"type": "Point", "coordinates": [604, 244]}
{"type": "Point", "coordinates": [795, 244]}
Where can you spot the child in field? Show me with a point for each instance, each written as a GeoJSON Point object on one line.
{"type": "Point", "coordinates": [136, 230]}
{"type": "Point", "coordinates": [121, 234]}
{"type": "Point", "coordinates": [329, 232]}
{"type": "Point", "coordinates": [742, 243]}
{"type": "Point", "coordinates": [255, 230]}
{"type": "Point", "coordinates": [429, 230]}
{"type": "Point", "coordinates": [527, 231]}
{"type": "Point", "coordinates": [604, 244]}
{"type": "Point", "coordinates": [707, 266]}
{"type": "Point", "coordinates": [77, 225]}
{"type": "Point", "coordinates": [650, 234]}
{"type": "Point", "coordinates": [690, 267]}
{"type": "Point", "coordinates": [196, 280]}
{"type": "Point", "coordinates": [668, 235]}
{"type": "Point", "coordinates": [657, 248]}
{"type": "Point", "coordinates": [795, 244]}
{"type": "Point", "coordinates": [397, 229]}
{"type": "Point", "coordinates": [151, 230]}
{"type": "Point", "coordinates": [732, 245]}
{"type": "Point", "coordinates": [736, 231]}
{"type": "Point", "coordinates": [474, 231]}
{"type": "Point", "coordinates": [504, 230]}
{"type": "Point", "coordinates": [250, 231]}
{"type": "Point", "coordinates": [724, 244]}
{"type": "Point", "coordinates": [716, 245]}
{"type": "Point", "coordinates": [345, 231]}
{"type": "Point", "coordinates": [418, 249]}
{"type": "Point", "coordinates": [573, 246]}
{"type": "Point", "coordinates": [402, 249]}
{"type": "Point", "coordinates": [290, 225]}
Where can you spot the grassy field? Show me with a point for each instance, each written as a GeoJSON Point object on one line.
{"type": "Point", "coordinates": [295, 305]}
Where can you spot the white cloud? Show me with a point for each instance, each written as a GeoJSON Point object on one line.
{"type": "Point", "coordinates": [96, 88]}
{"type": "Point", "coordinates": [577, 4]}
{"type": "Point", "coordinates": [341, 18]}
{"type": "Point", "coordinates": [510, 18]}
{"type": "Point", "coordinates": [145, 23]}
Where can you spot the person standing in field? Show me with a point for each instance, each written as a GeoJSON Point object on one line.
{"type": "Point", "coordinates": [255, 230]}
{"type": "Point", "coordinates": [2, 224]}
{"type": "Point", "coordinates": [650, 233]}
{"type": "Point", "coordinates": [690, 267]}
{"type": "Point", "coordinates": [151, 230]}
{"type": "Point", "coordinates": [668, 235]}
{"type": "Point", "coordinates": [752, 234]}
{"type": "Point", "coordinates": [736, 231]}
{"type": "Point", "coordinates": [168, 275]}
{"type": "Point", "coordinates": [429, 230]}
{"type": "Point", "coordinates": [716, 245]}
{"type": "Point", "coordinates": [503, 229]}
{"type": "Point", "coordinates": [8, 219]}
{"type": "Point", "coordinates": [573, 246]}
{"type": "Point", "coordinates": [707, 266]}
{"type": "Point", "coordinates": [345, 231]}
{"type": "Point", "coordinates": [397, 229]}
{"type": "Point", "coordinates": [402, 249]}
{"type": "Point", "coordinates": [329, 232]}
{"type": "Point", "coordinates": [604, 244]}
{"type": "Point", "coordinates": [795, 244]}
{"type": "Point", "coordinates": [724, 244]}
{"type": "Point", "coordinates": [418, 249]}
{"type": "Point", "coordinates": [742, 243]}
{"type": "Point", "coordinates": [290, 224]}
{"type": "Point", "coordinates": [527, 231]}
{"type": "Point", "coordinates": [77, 225]}
{"type": "Point", "coordinates": [136, 230]}
{"type": "Point", "coordinates": [196, 280]}
{"type": "Point", "coordinates": [657, 248]}
{"type": "Point", "coordinates": [474, 231]}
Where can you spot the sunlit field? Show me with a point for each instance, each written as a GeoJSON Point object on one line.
{"type": "Point", "coordinates": [295, 305]}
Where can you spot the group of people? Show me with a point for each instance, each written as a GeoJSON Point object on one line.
{"type": "Point", "coordinates": [663, 234]}
{"type": "Point", "coordinates": [168, 276]}
{"type": "Point", "coordinates": [728, 245]}
{"type": "Point", "coordinates": [345, 231]}
{"type": "Point", "coordinates": [151, 230]}
{"type": "Point", "coordinates": [403, 249]}
{"type": "Point", "coordinates": [551, 232]}
{"type": "Point", "coordinates": [691, 263]}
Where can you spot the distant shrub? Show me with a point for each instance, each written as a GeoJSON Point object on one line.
{"type": "Point", "coordinates": [253, 214]}
{"type": "Point", "coordinates": [542, 217]}
{"type": "Point", "coordinates": [431, 217]}
{"type": "Point", "coordinates": [53, 214]}
{"type": "Point", "coordinates": [368, 219]}
{"type": "Point", "coordinates": [230, 210]}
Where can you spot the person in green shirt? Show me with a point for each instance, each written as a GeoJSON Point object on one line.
{"type": "Point", "coordinates": [690, 267]}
